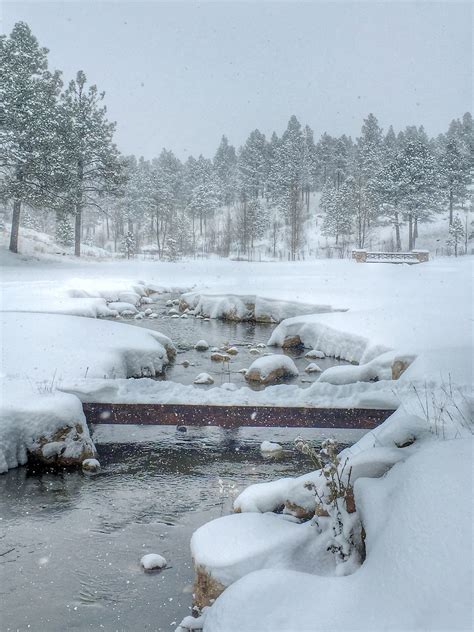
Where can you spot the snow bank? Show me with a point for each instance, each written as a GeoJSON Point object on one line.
{"type": "Point", "coordinates": [382, 394]}
{"type": "Point", "coordinates": [39, 351]}
{"type": "Point", "coordinates": [230, 547]}
{"type": "Point", "coordinates": [246, 307]}
{"type": "Point", "coordinates": [417, 574]}
{"type": "Point", "coordinates": [45, 424]}
{"type": "Point", "coordinates": [54, 347]}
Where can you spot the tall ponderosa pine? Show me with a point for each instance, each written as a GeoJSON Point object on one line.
{"type": "Point", "coordinates": [369, 157]}
{"type": "Point", "coordinates": [93, 161]}
{"type": "Point", "coordinates": [225, 168]}
{"type": "Point", "coordinates": [417, 180]}
{"type": "Point", "coordinates": [29, 159]}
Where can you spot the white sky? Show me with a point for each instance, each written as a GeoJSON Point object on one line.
{"type": "Point", "coordinates": [179, 75]}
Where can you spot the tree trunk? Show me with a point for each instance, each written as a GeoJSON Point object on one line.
{"type": "Point", "coordinates": [398, 241]}
{"type": "Point", "coordinates": [77, 231]}
{"type": "Point", "coordinates": [78, 220]}
{"type": "Point", "coordinates": [15, 226]}
{"type": "Point", "coordinates": [451, 205]}
{"type": "Point", "coordinates": [410, 232]}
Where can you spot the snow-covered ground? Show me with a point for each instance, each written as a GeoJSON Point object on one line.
{"type": "Point", "coordinates": [416, 518]}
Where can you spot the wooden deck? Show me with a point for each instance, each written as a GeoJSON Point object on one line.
{"type": "Point", "coordinates": [235, 416]}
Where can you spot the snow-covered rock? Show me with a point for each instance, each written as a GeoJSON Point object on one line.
{"type": "Point", "coordinates": [315, 354]}
{"type": "Point", "coordinates": [126, 309]}
{"type": "Point", "coordinates": [204, 378]}
{"type": "Point", "coordinates": [271, 368]}
{"type": "Point", "coordinates": [244, 307]}
{"type": "Point", "coordinates": [201, 345]}
{"type": "Point", "coordinates": [220, 357]}
{"type": "Point", "coordinates": [269, 447]}
{"type": "Point", "coordinates": [313, 368]}
{"type": "Point", "coordinates": [153, 562]}
{"type": "Point", "coordinates": [90, 466]}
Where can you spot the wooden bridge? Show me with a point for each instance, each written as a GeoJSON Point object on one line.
{"type": "Point", "coordinates": [415, 256]}
{"type": "Point", "coordinates": [235, 416]}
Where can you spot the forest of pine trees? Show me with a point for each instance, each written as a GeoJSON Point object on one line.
{"type": "Point", "coordinates": [60, 172]}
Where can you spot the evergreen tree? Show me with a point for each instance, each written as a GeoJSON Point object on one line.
{"type": "Point", "coordinates": [369, 160]}
{"type": "Point", "coordinates": [64, 230]}
{"type": "Point", "coordinates": [171, 250]}
{"type": "Point", "coordinates": [128, 245]}
{"type": "Point", "coordinates": [289, 182]}
{"type": "Point", "coordinates": [28, 131]}
{"type": "Point", "coordinates": [93, 161]}
{"type": "Point", "coordinates": [417, 180]}
{"type": "Point", "coordinates": [456, 234]}
{"type": "Point", "coordinates": [454, 167]}
{"type": "Point", "coordinates": [253, 164]}
{"type": "Point", "coordinates": [225, 168]}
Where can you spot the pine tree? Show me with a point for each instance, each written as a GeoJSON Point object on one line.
{"type": "Point", "coordinates": [454, 167]}
{"type": "Point", "coordinates": [369, 160]}
{"type": "Point", "coordinates": [171, 250]}
{"type": "Point", "coordinates": [456, 234]}
{"type": "Point", "coordinates": [128, 245]}
{"type": "Point", "coordinates": [338, 205]}
{"type": "Point", "coordinates": [418, 183]}
{"type": "Point", "coordinates": [289, 178]}
{"type": "Point", "coordinates": [225, 169]}
{"type": "Point", "coordinates": [64, 230]}
{"type": "Point", "coordinates": [92, 158]}
{"type": "Point", "coordinates": [28, 130]}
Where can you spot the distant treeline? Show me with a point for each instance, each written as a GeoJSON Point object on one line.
{"type": "Point", "coordinates": [61, 171]}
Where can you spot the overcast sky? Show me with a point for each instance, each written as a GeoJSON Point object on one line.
{"type": "Point", "coordinates": [179, 75]}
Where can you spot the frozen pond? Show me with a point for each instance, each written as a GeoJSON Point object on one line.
{"type": "Point", "coordinates": [185, 332]}
{"type": "Point", "coordinates": [70, 544]}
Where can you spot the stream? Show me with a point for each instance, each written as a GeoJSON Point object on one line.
{"type": "Point", "coordinates": [71, 543]}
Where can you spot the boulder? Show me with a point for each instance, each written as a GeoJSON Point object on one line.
{"type": "Point", "coordinates": [232, 351]}
{"type": "Point", "coordinates": [152, 562]}
{"type": "Point", "coordinates": [270, 369]}
{"type": "Point", "coordinates": [91, 466]}
{"type": "Point", "coordinates": [315, 354]}
{"type": "Point", "coordinates": [201, 345]}
{"type": "Point", "coordinates": [292, 342]}
{"type": "Point", "coordinates": [399, 367]}
{"type": "Point", "coordinates": [68, 446]}
{"type": "Point", "coordinates": [313, 368]}
{"type": "Point", "coordinates": [204, 378]}
{"type": "Point", "coordinates": [220, 357]}
{"type": "Point", "coordinates": [206, 589]}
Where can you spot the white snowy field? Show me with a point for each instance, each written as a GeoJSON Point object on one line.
{"type": "Point", "coordinates": [414, 501]}
{"type": "Point", "coordinates": [421, 311]}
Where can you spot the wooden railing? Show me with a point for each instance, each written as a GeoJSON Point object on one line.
{"type": "Point", "coordinates": [415, 256]}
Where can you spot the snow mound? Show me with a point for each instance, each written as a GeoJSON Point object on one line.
{"type": "Point", "coordinates": [232, 546]}
{"type": "Point", "coordinates": [54, 347]}
{"type": "Point", "coordinates": [245, 307]}
{"type": "Point", "coordinates": [403, 583]}
{"type": "Point", "coordinates": [46, 424]}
